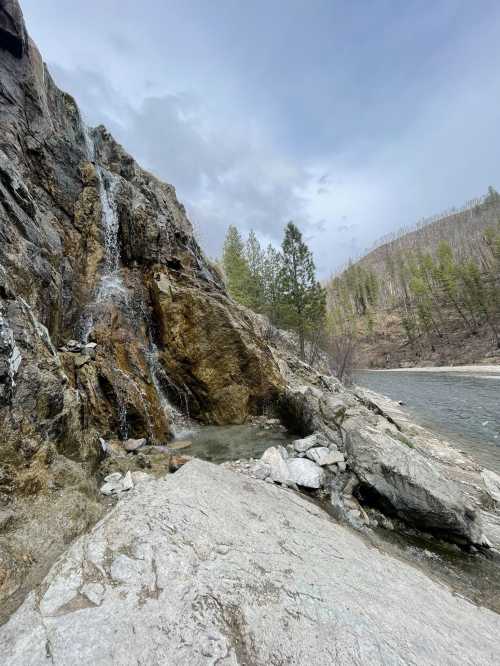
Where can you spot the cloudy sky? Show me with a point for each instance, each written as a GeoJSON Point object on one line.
{"type": "Point", "coordinates": [351, 117]}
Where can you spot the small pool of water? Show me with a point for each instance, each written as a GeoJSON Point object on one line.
{"type": "Point", "coordinates": [219, 444]}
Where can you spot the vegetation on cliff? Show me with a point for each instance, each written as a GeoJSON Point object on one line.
{"type": "Point", "coordinates": [281, 285]}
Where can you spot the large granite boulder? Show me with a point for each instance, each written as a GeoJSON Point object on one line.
{"type": "Point", "coordinates": [208, 566]}
{"type": "Point", "coordinates": [408, 484]}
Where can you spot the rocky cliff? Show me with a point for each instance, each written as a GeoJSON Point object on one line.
{"type": "Point", "coordinates": [108, 308]}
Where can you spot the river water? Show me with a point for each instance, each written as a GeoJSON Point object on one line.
{"type": "Point", "coordinates": [462, 407]}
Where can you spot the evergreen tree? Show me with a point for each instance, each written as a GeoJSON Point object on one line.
{"type": "Point", "coordinates": [255, 261]}
{"type": "Point", "coordinates": [236, 266]}
{"type": "Point", "coordinates": [271, 279]}
{"type": "Point", "coordinates": [302, 293]}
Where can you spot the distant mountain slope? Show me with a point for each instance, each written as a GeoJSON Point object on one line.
{"type": "Point", "coordinates": [428, 296]}
{"type": "Point", "coordinates": [463, 230]}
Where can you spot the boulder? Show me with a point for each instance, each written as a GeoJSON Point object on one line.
{"type": "Point", "coordinates": [116, 483]}
{"type": "Point", "coordinates": [303, 445]}
{"type": "Point", "coordinates": [134, 444]}
{"type": "Point", "coordinates": [305, 473]}
{"type": "Point", "coordinates": [333, 408]}
{"type": "Point", "coordinates": [274, 459]}
{"type": "Point", "coordinates": [208, 566]}
{"type": "Point", "coordinates": [404, 482]}
{"type": "Point", "coordinates": [321, 455]}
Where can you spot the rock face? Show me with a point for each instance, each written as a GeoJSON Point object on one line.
{"type": "Point", "coordinates": [108, 308]}
{"type": "Point", "coordinates": [409, 484]}
{"type": "Point", "coordinates": [209, 567]}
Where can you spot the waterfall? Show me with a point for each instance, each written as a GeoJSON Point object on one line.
{"type": "Point", "coordinates": [111, 288]}
{"type": "Point", "coordinates": [110, 221]}
{"type": "Point", "coordinates": [111, 285]}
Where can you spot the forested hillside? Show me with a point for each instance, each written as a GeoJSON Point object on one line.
{"type": "Point", "coordinates": [431, 296]}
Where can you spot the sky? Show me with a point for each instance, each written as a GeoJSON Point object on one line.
{"type": "Point", "coordinates": [352, 118]}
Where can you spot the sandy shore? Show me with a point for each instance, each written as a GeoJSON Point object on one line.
{"type": "Point", "coordinates": [472, 369]}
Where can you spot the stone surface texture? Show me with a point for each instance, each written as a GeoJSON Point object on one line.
{"type": "Point", "coordinates": [208, 567]}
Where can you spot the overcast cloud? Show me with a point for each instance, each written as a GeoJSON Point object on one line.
{"type": "Point", "coordinates": [353, 118]}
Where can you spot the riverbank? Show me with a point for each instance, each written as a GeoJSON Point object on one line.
{"type": "Point", "coordinates": [468, 369]}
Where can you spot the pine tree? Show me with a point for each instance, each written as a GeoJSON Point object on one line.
{"type": "Point", "coordinates": [255, 261]}
{"type": "Point", "coordinates": [271, 278]}
{"type": "Point", "coordinates": [235, 266]}
{"type": "Point", "coordinates": [302, 293]}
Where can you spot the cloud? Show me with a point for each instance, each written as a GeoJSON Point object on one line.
{"type": "Point", "coordinates": [352, 123]}
{"type": "Point", "coordinates": [224, 174]}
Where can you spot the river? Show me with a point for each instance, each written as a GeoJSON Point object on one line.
{"type": "Point", "coordinates": [462, 406]}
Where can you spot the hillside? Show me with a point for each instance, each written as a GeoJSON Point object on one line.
{"type": "Point", "coordinates": [430, 296]}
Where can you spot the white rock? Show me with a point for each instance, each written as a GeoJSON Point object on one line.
{"type": "Point", "coordinates": [127, 483]}
{"type": "Point", "coordinates": [492, 483]}
{"type": "Point", "coordinates": [323, 456]}
{"type": "Point", "coordinates": [283, 451]}
{"type": "Point", "coordinates": [109, 488]}
{"type": "Point", "coordinates": [277, 464]}
{"type": "Point", "coordinates": [305, 473]}
{"type": "Point", "coordinates": [302, 445]}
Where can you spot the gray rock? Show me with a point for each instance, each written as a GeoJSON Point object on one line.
{"type": "Point", "coordinates": [492, 483]}
{"type": "Point", "coordinates": [323, 456]}
{"type": "Point", "coordinates": [134, 444]}
{"type": "Point", "coordinates": [333, 409]}
{"type": "Point", "coordinates": [277, 464]}
{"type": "Point", "coordinates": [305, 473]}
{"type": "Point", "coordinates": [261, 471]}
{"type": "Point", "coordinates": [411, 484]}
{"type": "Point", "coordinates": [302, 445]}
{"type": "Point", "coordinates": [207, 566]}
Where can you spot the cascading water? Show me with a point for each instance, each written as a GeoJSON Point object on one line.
{"type": "Point", "coordinates": [112, 288]}
{"type": "Point", "coordinates": [111, 285]}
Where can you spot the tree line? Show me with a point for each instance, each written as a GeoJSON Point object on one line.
{"type": "Point", "coordinates": [280, 284]}
{"type": "Point", "coordinates": [432, 288]}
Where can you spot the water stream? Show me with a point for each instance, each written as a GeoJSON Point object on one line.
{"type": "Point", "coordinates": [463, 407]}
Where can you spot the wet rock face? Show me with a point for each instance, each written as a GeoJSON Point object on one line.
{"type": "Point", "coordinates": [210, 346]}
